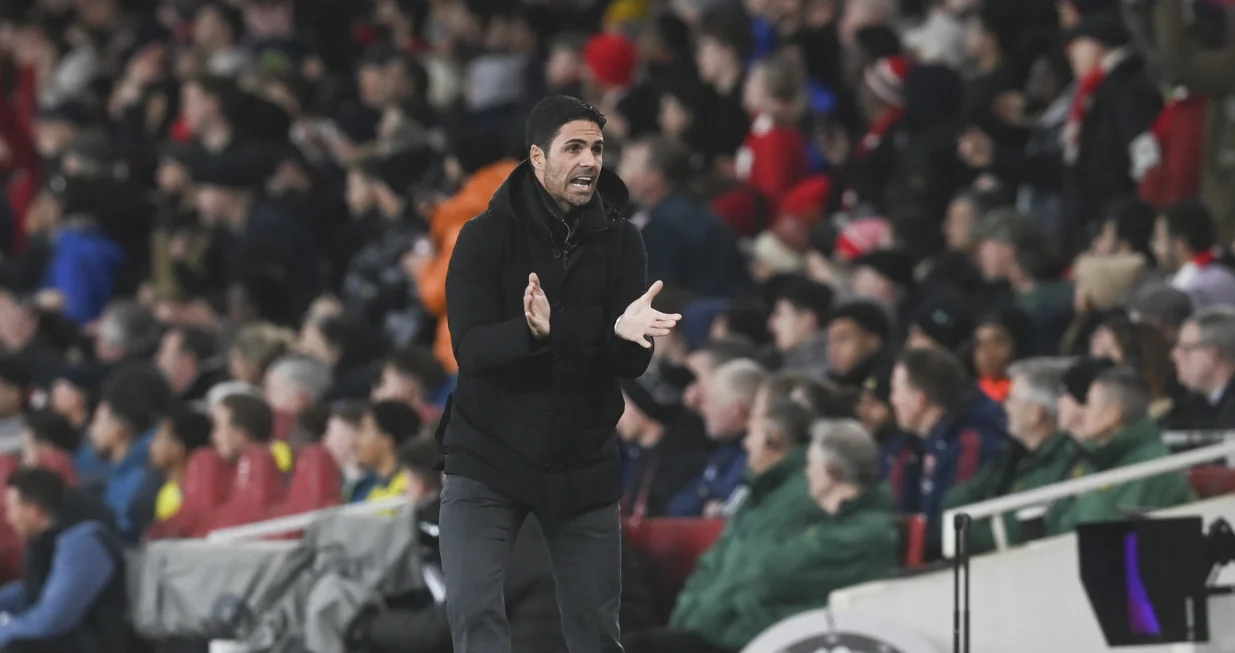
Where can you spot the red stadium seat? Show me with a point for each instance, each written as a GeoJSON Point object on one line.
{"type": "Point", "coordinates": [316, 483]}
{"type": "Point", "coordinates": [913, 539]}
{"type": "Point", "coordinates": [206, 483]}
{"type": "Point", "coordinates": [1211, 480]}
{"type": "Point", "coordinates": [668, 549]}
{"type": "Point", "coordinates": [59, 462]}
{"type": "Point", "coordinates": [256, 487]}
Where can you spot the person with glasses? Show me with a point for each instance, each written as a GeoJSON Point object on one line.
{"type": "Point", "coordinates": [1204, 359]}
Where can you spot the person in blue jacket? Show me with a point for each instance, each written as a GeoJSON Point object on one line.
{"type": "Point", "coordinates": [84, 262]}
{"type": "Point", "coordinates": [949, 427]}
{"type": "Point", "coordinates": [121, 433]}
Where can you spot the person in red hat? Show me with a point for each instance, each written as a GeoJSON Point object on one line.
{"type": "Point", "coordinates": [609, 79]}
{"type": "Point", "coordinates": [882, 99]}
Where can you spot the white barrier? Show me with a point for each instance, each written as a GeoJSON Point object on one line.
{"type": "Point", "coordinates": [999, 506]}
{"type": "Point", "coordinates": [300, 521]}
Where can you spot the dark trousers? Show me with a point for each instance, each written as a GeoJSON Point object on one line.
{"type": "Point", "coordinates": [669, 640]}
{"type": "Point", "coordinates": [476, 530]}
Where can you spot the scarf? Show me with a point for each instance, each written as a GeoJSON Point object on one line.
{"type": "Point", "coordinates": [1082, 102]}
{"type": "Point", "coordinates": [876, 132]}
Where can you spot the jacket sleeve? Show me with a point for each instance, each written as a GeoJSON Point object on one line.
{"type": "Point", "coordinates": [664, 252]}
{"type": "Point", "coordinates": [483, 341]}
{"type": "Point", "coordinates": [627, 360]}
{"type": "Point", "coordinates": [1184, 61]}
{"type": "Point", "coordinates": [699, 591]}
{"type": "Point", "coordinates": [80, 570]}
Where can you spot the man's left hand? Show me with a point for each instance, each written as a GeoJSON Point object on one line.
{"type": "Point", "coordinates": [640, 323]}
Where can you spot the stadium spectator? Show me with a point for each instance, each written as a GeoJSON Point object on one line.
{"type": "Point", "coordinates": [858, 335]}
{"type": "Point", "coordinates": [240, 422]}
{"type": "Point", "coordinates": [386, 426]}
{"type": "Point", "coordinates": [1117, 432]}
{"type": "Point", "coordinates": [72, 595]}
{"type": "Point", "coordinates": [342, 431]}
{"type": "Point", "coordinates": [188, 358]}
{"type": "Point", "coordinates": [120, 433]}
{"type": "Point", "coordinates": [48, 436]}
{"type": "Point", "coordinates": [1186, 238]}
{"type": "Point", "coordinates": [726, 405]}
{"type": "Point", "coordinates": [702, 363]}
{"type": "Point", "coordinates": [74, 392]}
{"type": "Point", "coordinates": [798, 322]}
{"type": "Point", "coordinates": [1039, 454]}
{"type": "Point", "coordinates": [255, 348]}
{"type": "Point", "coordinates": [179, 434]}
{"type": "Point", "coordinates": [1204, 360]}
{"type": "Point", "coordinates": [126, 332]}
{"type": "Point", "coordinates": [14, 384]}
{"type": "Point", "coordinates": [415, 377]}
{"type": "Point", "coordinates": [950, 429]}
{"type": "Point", "coordinates": [292, 384]}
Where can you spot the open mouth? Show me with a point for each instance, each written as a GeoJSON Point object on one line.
{"type": "Point", "coordinates": [582, 182]}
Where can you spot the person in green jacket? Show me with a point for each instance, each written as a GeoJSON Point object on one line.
{"type": "Point", "coordinates": [1041, 454]}
{"type": "Point", "coordinates": [849, 536]}
{"type": "Point", "coordinates": [1117, 432]}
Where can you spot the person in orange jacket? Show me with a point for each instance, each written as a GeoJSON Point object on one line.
{"type": "Point", "coordinates": [428, 264]}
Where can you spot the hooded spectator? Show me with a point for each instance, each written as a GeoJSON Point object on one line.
{"type": "Point", "coordinates": [859, 333]}
{"type": "Point", "coordinates": [941, 320]}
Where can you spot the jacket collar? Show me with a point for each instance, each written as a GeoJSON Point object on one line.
{"type": "Point", "coordinates": [878, 497]}
{"type": "Point", "coordinates": [1129, 439]}
{"type": "Point", "coordinates": [611, 197]}
{"type": "Point", "coordinates": [768, 481]}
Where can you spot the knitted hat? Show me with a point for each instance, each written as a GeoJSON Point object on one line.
{"type": "Point", "coordinates": [743, 209]}
{"type": "Point", "coordinates": [894, 265]}
{"type": "Point", "coordinates": [944, 318]}
{"type": "Point", "coordinates": [770, 251]}
{"type": "Point", "coordinates": [1081, 375]}
{"type": "Point", "coordinates": [808, 199]}
{"type": "Point", "coordinates": [886, 79]}
{"type": "Point", "coordinates": [1105, 27]}
{"type": "Point", "coordinates": [862, 236]}
{"type": "Point", "coordinates": [611, 59]}
{"type": "Point", "coordinates": [654, 394]}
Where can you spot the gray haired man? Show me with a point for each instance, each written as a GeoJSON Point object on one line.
{"type": "Point", "coordinates": [1204, 359]}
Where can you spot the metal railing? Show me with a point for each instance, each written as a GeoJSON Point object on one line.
{"type": "Point", "coordinates": [996, 508]}
{"type": "Point", "coordinates": [301, 521]}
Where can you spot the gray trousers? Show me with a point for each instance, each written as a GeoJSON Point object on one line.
{"type": "Point", "coordinates": [477, 528]}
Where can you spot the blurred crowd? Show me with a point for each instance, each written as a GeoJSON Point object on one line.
{"type": "Point", "coordinates": [928, 252]}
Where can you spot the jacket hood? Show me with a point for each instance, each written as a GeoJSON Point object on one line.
{"type": "Point", "coordinates": [507, 200]}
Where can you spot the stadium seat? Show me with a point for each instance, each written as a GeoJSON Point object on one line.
{"type": "Point", "coordinates": [316, 483]}
{"type": "Point", "coordinates": [668, 549]}
{"type": "Point", "coordinates": [913, 539]}
{"type": "Point", "coordinates": [206, 483]}
{"type": "Point", "coordinates": [256, 487]}
{"type": "Point", "coordinates": [59, 462]}
{"type": "Point", "coordinates": [1211, 480]}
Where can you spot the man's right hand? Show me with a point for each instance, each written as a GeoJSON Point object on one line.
{"type": "Point", "coordinates": [536, 307]}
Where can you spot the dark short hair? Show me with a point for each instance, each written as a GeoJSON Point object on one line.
{"type": "Point", "coordinates": [669, 159]}
{"type": "Point", "coordinates": [198, 342]}
{"type": "Point", "coordinates": [351, 411]}
{"type": "Point", "coordinates": [420, 456]}
{"type": "Point", "coordinates": [1134, 223]}
{"type": "Point", "coordinates": [128, 405]}
{"type": "Point", "coordinates": [937, 374]}
{"type": "Point", "coordinates": [310, 425]}
{"type": "Point", "coordinates": [1192, 223]}
{"type": "Point", "coordinates": [731, 348]}
{"type": "Point", "coordinates": [396, 420]}
{"type": "Point", "coordinates": [50, 427]}
{"type": "Point", "coordinates": [40, 486]}
{"type": "Point", "coordinates": [552, 113]}
{"type": "Point", "coordinates": [419, 363]}
{"type": "Point", "coordinates": [190, 427]}
{"type": "Point", "coordinates": [345, 333]}
{"type": "Point", "coordinates": [251, 415]}
{"type": "Point", "coordinates": [732, 26]}
{"type": "Point", "coordinates": [806, 295]}
{"type": "Point", "coordinates": [793, 420]}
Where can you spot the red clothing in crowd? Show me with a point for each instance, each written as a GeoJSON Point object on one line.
{"type": "Point", "coordinates": [1168, 157]}
{"type": "Point", "coordinates": [22, 170]}
{"type": "Point", "coordinates": [772, 159]}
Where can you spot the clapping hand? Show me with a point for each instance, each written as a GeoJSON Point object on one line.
{"type": "Point", "coordinates": [536, 307]}
{"type": "Point", "coordinates": [640, 323]}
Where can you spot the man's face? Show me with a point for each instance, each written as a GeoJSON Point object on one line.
{"type": "Point", "coordinates": [371, 81]}
{"type": "Point", "coordinates": [370, 443]}
{"type": "Point", "coordinates": [563, 68]}
{"type": "Point", "coordinates": [27, 519]}
{"type": "Point", "coordinates": [1106, 242]}
{"type": "Point", "coordinates": [633, 169]}
{"type": "Point", "coordinates": [872, 285]}
{"type": "Point", "coordinates": [67, 399]}
{"type": "Point", "coordinates": [872, 413]}
{"type": "Point", "coordinates": [1085, 54]}
{"type": "Point", "coordinates": [106, 431]}
{"type": "Point", "coordinates": [214, 204]}
{"type": "Point", "coordinates": [165, 450]}
{"type": "Point", "coordinates": [995, 259]}
{"type": "Point", "coordinates": [228, 440]}
{"type": "Point", "coordinates": [1071, 414]}
{"type": "Point", "coordinates": [1104, 344]}
{"type": "Point", "coordinates": [1023, 417]}
{"type": "Point", "coordinates": [200, 109]}
{"type": "Point", "coordinates": [51, 137]}
{"type": "Point", "coordinates": [395, 386]}
{"type": "Point", "coordinates": [848, 345]}
{"type": "Point", "coordinates": [171, 360]}
{"type": "Point", "coordinates": [724, 418]}
{"type": "Point", "coordinates": [1101, 415]}
{"type": "Point", "coordinates": [1194, 359]}
{"type": "Point", "coordinates": [571, 167]}
{"type": "Point", "coordinates": [701, 366]}
{"type": "Point", "coordinates": [817, 473]}
{"type": "Point", "coordinates": [209, 28]}
{"type": "Point", "coordinates": [710, 57]}
{"type": "Point", "coordinates": [340, 441]}
{"type": "Point", "coordinates": [993, 350]}
{"type": "Point", "coordinates": [763, 444]}
{"type": "Point", "coordinates": [958, 225]}
{"type": "Point", "coordinates": [789, 326]}
{"type": "Point", "coordinates": [283, 396]}
{"type": "Point", "coordinates": [907, 401]}
{"type": "Point", "coordinates": [674, 119]}
{"type": "Point", "coordinates": [1163, 247]}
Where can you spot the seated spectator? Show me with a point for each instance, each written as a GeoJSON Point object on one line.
{"type": "Point", "coordinates": [255, 348]}
{"type": "Point", "coordinates": [342, 431]}
{"type": "Point", "coordinates": [14, 381]}
{"type": "Point", "coordinates": [1000, 339]}
{"type": "Point", "coordinates": [1076, 381]}
{"type": "Point", "coordinates": [46, 434]}
{"type": "Point", "coordinates": [145, 394]}
{"type": "Point", "coordinates": [415, 377]}
{"type": "Point", "coordinates": [293, 383]}
{"type": "Point", "coordinates": [386, 426]}
{"type": "Point", "coordinates": [744, 585]}
{"type": "Point", "coordinates": [703, 362]}
{"type": "Point", "coordinates": [1128, 229]}
{"type": "Point", "coordinates": [72, 593]}
{"type": "Point", "coordinates": [1162, 307]}
{"type": "Point", "coordinates": [949, 430]}
{"type": "Point", "coordinates": [240, 422]}
{"type": "Point", "coordinates": [74, 393]}
{"type": "Point", "coordinates": [823, 399]}
{"type": "Point", "coordinates": [689, 247]}
{"type": "Point", "coordinates": [858, 335]}
{"type": "Point", "coordinates": [346, 345]}
{"type": "Point", "coordinates": [1205, 363]}
{"type": "Point", "coordinates": [188, 358]}
{"type": "Point", "coordinates": [884, 276]}
{"type": "Point", "coordinates": [1118, 432]}
{"type": "Point", "coordinates": [120, 434]}
{"type": "Point", "coordinates": [180, 434]}
{"type": "Point", "coordinates": [797, 324]}
{"type": "Point", "coordinates": [725, 407]}
{"type": "Point", "coordinates": [941, 320]}
{"type": "Point", "coordinates": [772, 159]}
{"type": "Point", "coordinates": [1039, 454]}
{"type": "Point", "coordinates": [658, 460]}
{"type": "Point", "coordinates": [1186, 242]}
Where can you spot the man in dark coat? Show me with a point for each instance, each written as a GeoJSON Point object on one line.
{"type": "Point", "coordinates": [547, 309]}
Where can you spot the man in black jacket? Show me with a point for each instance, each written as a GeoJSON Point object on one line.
{"type": "Point", "coordinates": [547, 309]}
